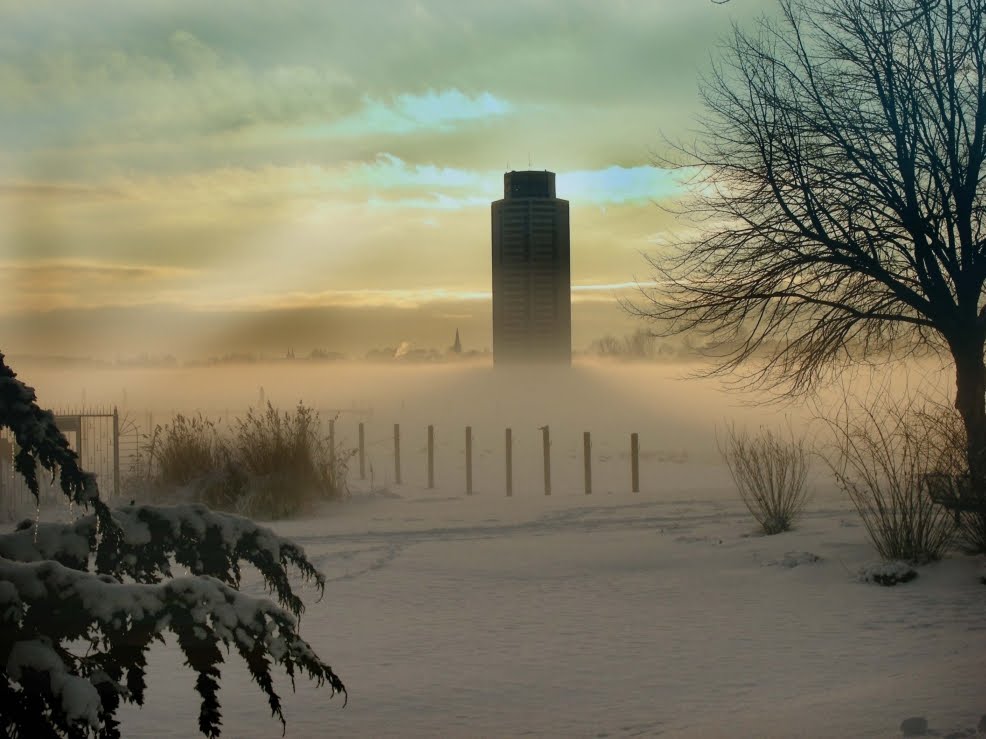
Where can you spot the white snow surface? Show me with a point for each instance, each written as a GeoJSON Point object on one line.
{"type": "Point", "coordinates": [612, 614]}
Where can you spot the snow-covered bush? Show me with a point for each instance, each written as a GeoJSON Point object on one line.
{"type": "Point", "coordinates": [882, 457]}
{"type": "Point", "coordinates": [770, 472]}
{"type": "Point", "coordinates": [82, 602]}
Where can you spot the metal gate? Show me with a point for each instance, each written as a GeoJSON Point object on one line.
{"type": "Point", "coordinates": [94, 434]}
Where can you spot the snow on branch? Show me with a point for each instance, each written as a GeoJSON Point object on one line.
{"type": "Point", "coordinates": [205, 542]}
{"type": "Point", "coordinates": [39, 606]}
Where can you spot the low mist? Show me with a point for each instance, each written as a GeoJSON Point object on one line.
{"type": "Point", "coordinates": [675, 414]}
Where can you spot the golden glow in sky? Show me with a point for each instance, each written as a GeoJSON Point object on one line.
{"type": "Point", "coordinates": [197, 178]}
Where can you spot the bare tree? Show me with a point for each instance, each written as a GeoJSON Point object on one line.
{"type": "Point", "coordinates": [841, 197]}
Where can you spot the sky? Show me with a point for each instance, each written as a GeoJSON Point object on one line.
{"type": "Point", "coordinates": [197, 178]}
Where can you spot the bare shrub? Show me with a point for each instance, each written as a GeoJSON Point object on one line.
{"type": "Point", "coordinates": [945, 433]}
{"type": "Point", "coordinates": [971, 533]}
{"type": "Point", "coordinates": [770, 472]}
{"type": "Point", "coordinates": [882, 457]}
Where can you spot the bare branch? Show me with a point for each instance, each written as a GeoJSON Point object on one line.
{"type": "Point", "coordinates": [840, 195]}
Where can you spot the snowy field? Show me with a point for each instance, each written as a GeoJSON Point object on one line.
{"type": "Point", "coordinates": [613, 614]}
{"type": "Point", "coordinates": [607, 615]}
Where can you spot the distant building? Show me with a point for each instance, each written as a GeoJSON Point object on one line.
{"type": "Point", "coordinates": [532, 301]}
{"type": "Point", "coordinates": [457, 346]}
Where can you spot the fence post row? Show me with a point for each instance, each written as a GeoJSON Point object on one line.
{"type": "Point", "coordinates": [508, 457]}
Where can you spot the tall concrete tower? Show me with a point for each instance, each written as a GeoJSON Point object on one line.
{"type": "Point", "coordinates": [532, 299]}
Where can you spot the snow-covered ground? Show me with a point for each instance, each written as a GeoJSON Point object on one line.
{"type": "Point", "coordinates": [607, 615]}
{"type": "Point", "coordinates": [614, 614]}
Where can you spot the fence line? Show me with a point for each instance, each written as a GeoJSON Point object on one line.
{"type": "Point", "coordinates": [394, 442]}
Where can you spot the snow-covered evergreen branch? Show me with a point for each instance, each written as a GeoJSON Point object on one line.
{"type": "Point", "coordinates": [40, 607]}
{"type": "Point", "coordinates": [39, 441]}
{"type": "Point", "coordinates": [203, 541]}
{"type": "Point", "coordinates": [50, 601]}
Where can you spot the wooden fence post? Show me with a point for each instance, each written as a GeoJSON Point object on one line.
{"type": "Point", "coordinates": [546, 446]}
{"type": "Point", "coordinates": [510, 462]}
{"type": "Point", "coordinates": [116, 452]}
{"type": "Point", "coordinates": [362, 452]}
{"type": "Point", "coordinates": [634, 463]}
{"type": "Point", "coordinates": [468, 460]}
{"type": "Point", "coordinates": [587, 456]}
{"type": "Point", "coordinates": [397, 454]}
{"type": "Point", "coordinates": [431, 456]}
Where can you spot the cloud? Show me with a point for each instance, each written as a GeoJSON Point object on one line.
{"type": "Point", "coordinates": [440, 110]}
{"type": "Point", "coordinates": [159, 85]}
{"type": "Point", "coordinates": [52, 288]}
{"type": "Point", "coordinates": [607, 292]}
{"type": "Point", "coordinates": [391, 172]}
{"type": "Point", "coordinates": [446, 188]}
{"type": "Point", "coordinates": [431, 201]}
{"type": "Point", "coordinates": [359, 298]}
{"type": "Point", "coordinates": [620, 185]}
{"type": "Point", "coordinates": [610, 286]}
{"type": "Point", "coordinates": [387, 181]}
{"type": "Point", "coordinates": [83, 269]}
{"type": "Point", "coordinates": [56, 191]}
{"type": "Point", "coordinates": [119, 98]}
{"type": "Point", "coordinates": [404, 299]}
{"type": "Point", "coordinates": [52, 284]}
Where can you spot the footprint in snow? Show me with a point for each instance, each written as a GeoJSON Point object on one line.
{"type": "Point", "coordinates": [793, 559]}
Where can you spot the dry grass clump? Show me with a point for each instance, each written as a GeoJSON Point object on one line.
{"type": "Point", "coordinates": [268, 465]}
{"type": "Point", "coordinates": [184, 450]}
{"type": "Point", "coordinates": [770, 472]}
{"type": "Point", "coordinates": [288, 463]}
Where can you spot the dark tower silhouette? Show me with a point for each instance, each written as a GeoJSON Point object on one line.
{"type": "Point", "coordinates": [532, 301]}
{"type": "Point", "coordinates": [457, 346]}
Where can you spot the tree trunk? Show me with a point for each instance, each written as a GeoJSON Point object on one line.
{"type": "Point", "coordinates": [970, 401]}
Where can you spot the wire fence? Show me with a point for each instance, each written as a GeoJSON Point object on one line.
{"type": "Point", "coordinates": [95, 434]}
